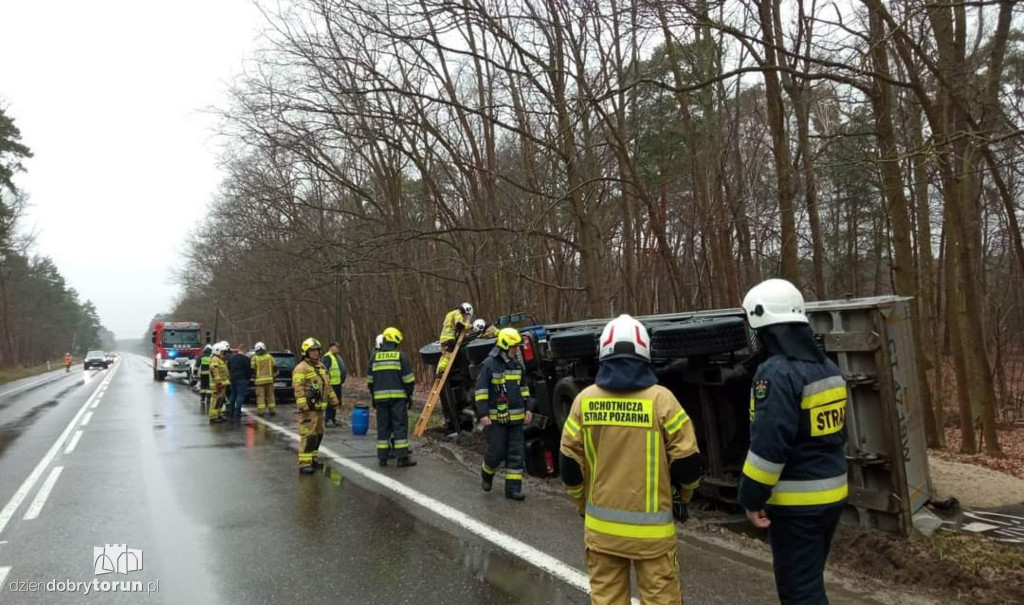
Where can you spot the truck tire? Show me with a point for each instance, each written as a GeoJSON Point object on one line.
{"type": "Point", "coordinates": [577, 343]}
{"type": "Point", "coordinates": [477, 350]}
{"type": "Point", "coordinates": [699, 337]}
{"type": "Point", "coordinates": [561, 400]}
{"type": "Point", "coordinates": [430, 354]}
{"type": "Point", "coordinates": [158, 376]}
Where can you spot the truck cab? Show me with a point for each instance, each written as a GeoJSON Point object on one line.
{"type": "Point", "coordinates": [175, 345]}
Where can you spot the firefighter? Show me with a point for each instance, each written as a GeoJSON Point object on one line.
{"type": "Point", "coordinates": [67, 362]}
{"type": "Point", "coordinates": [482, 330]}
{"type": "Point", "coordinates": [502, 406]}
{"type": "Point", "coordinates": [204, 374]}
{"type": "Point", "coordinates": [794, 477]}
{"type": "Point", "coordinates": [337, 373]}
{"type": "Point", "coordinates": [629, 460]}
{"type": "Point", "coordinates": [263, 371]}
{"type": "Point", "coordinates": [391, 382]}
{"type": "Point", "coordinates": [219, 381]}
{"type": "Point", "coordinates": [312, 396]}
{"type": "Point", "coordinates": [455, 322]}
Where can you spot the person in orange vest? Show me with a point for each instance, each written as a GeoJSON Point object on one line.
{"type": "Point", "coordinates": [67, 362]}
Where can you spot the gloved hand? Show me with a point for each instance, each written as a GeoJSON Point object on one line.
{"type": "Point", "coordinates": [680, 509]}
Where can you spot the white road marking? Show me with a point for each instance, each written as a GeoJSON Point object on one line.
{"type": "Point", "coordinates": [30, 481]}
{"type": "Point", "coordinates": [97, 402]}
{"type": "Point", "coordinates": [74, 441]}
{"type": "Point", "coordinates": [539, 559]}
{"type": "Point", "coordinates": [88, 417]}
{"type": "Point", "coordinates": [44, 492]}
{"type": "Point", "coordinates": [3, 576]}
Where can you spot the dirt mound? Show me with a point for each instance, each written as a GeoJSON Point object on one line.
{"type": "Point", "coordinates": [971, 569]}
{"type": "Point", "coordinates": [974, 485]}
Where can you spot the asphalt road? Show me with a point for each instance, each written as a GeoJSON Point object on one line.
{"type": "Point", "coordinates": [220, 514]}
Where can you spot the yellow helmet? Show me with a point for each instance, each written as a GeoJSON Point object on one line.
{"type": "Point", "coordinates": [508, 337]}
{"type": "Point", "coordinates": [310, 343]}
{"type": "Point", "coordinates": [393, 335]}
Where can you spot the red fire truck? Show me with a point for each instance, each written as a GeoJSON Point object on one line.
{"type": "Point", "coordinates": [175, 344]}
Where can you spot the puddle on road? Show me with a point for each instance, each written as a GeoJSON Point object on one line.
{"type": "Point", "coordinates": [11, 431]}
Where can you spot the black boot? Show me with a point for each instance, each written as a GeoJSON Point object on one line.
{"type": "Point", "coordinates": [306, 470]}
{"type": "Point", "coordinates": [407, 461]}
{"type": "Point", "coordinates": [317, 464]}
{"type": "Point", "coordinates": [382, 461]}
{"type": "Point", "coordinates": [515, 495]}
{"type": "Point", "coordinates": [487, 481]}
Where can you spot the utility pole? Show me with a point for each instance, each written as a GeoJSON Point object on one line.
{"type": "Point", "coordinates": [337, 307]}
{"type": "Point", "coordinates": [216, 321]}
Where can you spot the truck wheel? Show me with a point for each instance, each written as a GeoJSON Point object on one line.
{"type": "Point", "coordinates": [561, 401]}
{"type": "Point", "coordinates": [430, 354]}
{"type": "Point", "coordinates": [158, 376]}
{"type": "Point", "coordinates": [478, 350]}
{"type": "Point", "coordinates": [577, 343]}
{"type": "Point", "coordinates": [703, 336]}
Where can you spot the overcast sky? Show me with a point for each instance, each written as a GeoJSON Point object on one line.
{"type": "Point", "coordinates": [110, 97]}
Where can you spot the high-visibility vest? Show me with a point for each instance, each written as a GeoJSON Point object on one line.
{"type": "Point", "coordinates": [335, 370]}
{"type": "Point", "coordinates": [204, 365]}
{"type": "Point", "coordinates": [453, 319]}
{"type": "Point", "coordinates": [263, 368]}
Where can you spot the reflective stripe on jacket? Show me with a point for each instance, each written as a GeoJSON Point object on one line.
{"type": "Point", "coordinates": [263, 368]}
{"type": "Point", "coordinates": [499, 376]}
{"type": "Point", "coordinates": [311, 375]}
{"type": "Point", "coordinates": [390, 375]}
{"type": "Point", "coordinates": [451, 320]}
{"type": "Point", "coordinates": [204, 365]}
{"type": "Point", "coordinates": [219, 372]}
{"type": "Point", "coordinates": [625, 443]}
{"type": "Point", "coordinates": [796, 462]}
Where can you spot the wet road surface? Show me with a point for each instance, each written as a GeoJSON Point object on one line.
{"type": "Point", "coordinates": [222, 516]}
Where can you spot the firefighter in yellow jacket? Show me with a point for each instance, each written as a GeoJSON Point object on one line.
{"type": "Point", "coordinates": [629, 459]}
{"type": "Point", "coordinates": [312, 396]}
{"type": "Point", "coordinates": [219, 381]}
{"type": "Point", "coordinates": [455, 322]}
{"type": "Point", "coordinates": [263, 371]}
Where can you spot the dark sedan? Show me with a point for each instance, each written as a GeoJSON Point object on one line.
{"type": "Point", "coordinates": [96, 359]}
{"type": "Point", "coordinates": [284, 363]}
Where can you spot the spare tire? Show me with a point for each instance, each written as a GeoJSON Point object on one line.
{"type": "Point", "coordinates": [478, 349]}
{"type": "Point", "coordinates": [576, 343]}
{"type": "Point", "coordinates": [431, 353]}
{"type": "Point", "coordinates": [700, 336]}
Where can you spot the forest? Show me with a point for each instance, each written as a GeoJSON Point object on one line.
{"type": "Point", "coordinates": [388, 159]}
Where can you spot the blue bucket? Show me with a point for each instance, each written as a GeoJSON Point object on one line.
{"type": "Point", "coordinates": [360, 420]}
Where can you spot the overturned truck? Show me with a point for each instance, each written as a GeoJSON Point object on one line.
{"type": "Point", "coordinates": [708, 360]}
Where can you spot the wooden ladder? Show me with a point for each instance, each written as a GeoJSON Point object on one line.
{"type": "Point", "coordinates": [435, 390]}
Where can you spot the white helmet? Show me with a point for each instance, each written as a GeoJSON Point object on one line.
{"type": "Point", "coordinates": [625, 336]}
{"type": "Point", "coordinates": [774, 301]}
{"type": "Point", "coordinates": [466, 308]}
{"type": "Point", "coordinates": [262, 348]}
{"type": "Point", "coordinates": [479, 325]}
{"type": "Point", "coordinates": [220, 347]}
{"type": "Point", "coordinates": [379, 341]}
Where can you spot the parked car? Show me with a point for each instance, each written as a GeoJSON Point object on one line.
{"type": "Point", "coordinates": [284, 362]}
{"type": "Point", "coordinates": [110, 358]}
{"type": "Point", "coordinates": [96, 360]}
